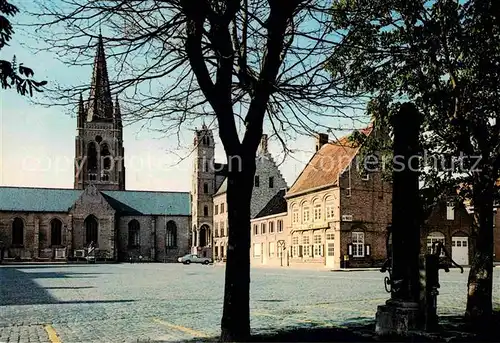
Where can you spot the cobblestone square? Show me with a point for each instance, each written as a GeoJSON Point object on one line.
{"type": "Point", "coordinates": [172, 302]}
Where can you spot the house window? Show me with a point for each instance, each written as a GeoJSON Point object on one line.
{"type": "Point", "coordinates": [133, 233]}
{"type": "Point", "coordinates": [450, 212]}
{"type": "Point", "coordinates": [295, 214]}
{"type": "Point", "coordinates": [432, 238]}
{"type": "Point", "coordinates": [255, 229]}
{"type": "Point", "coordinates": [271, 182]}
{"type": "Point", "coordinates": [91, 230]}
{"type": "Point", "coordinates": [329, 208]}
{"type": "Point", "coordinates": [216, 209]}
{"type": "Point", "coordinates": [295, 246]}
{"type": "Point", "coordinates": [205, 188]}
{"type": "Point", "coordinates": [216, 231]}
{"type": "Point", "coordinates": [171, 236]}
{"type": "Point", "coordinates": [330, 236]}
{"type": "Point", "coordinates": [222, 208]}
{"type": "Point", "coordinates": [318, 247]}
{"type": "Point", "coordinates": [206, 167]}
{"type": "Point", "coordinates": [305, 213]}
{"type": "Point", "coordinates": [17, 232]}
{"type": "Point", "coordinates": [263, 228]}
{"type": "Point", "coordinates": [256, 249]}
{"type": "Point", "coordinates": [222, 251]}
{"type": "Point", "coordinates": [271, 227]}
{"type": "Point", "coordinates": [216, 252]}
{"type": "Point", "coordinates": [272, 246]}
{"type": "Point", "coordinates": [256, 181]}
{"type": "Point", "coordinates": [358, 244]}
{"type": "Point", "coordinates": [317, 211]}
{"type": "Point", "coordinates": [55, 232]}
{"type": "Point", "coordinates": [205, 211]}
{"type": "Point", "coordinates": [306, 248]}
{"type": "Point", "coordinates": [222, 233]}
{"type": "Point", "coordinates": [280, 225]}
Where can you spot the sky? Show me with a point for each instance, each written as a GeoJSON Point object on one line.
{"type": "Point", "coordinates": [37, 142]}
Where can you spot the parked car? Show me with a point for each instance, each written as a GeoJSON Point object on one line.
{"type": "Point", "coordinates": [193, 258]}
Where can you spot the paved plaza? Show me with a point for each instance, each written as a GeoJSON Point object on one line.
{"type": "Point", "coordinates": [173, 302]}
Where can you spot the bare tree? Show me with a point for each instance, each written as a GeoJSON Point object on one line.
{"type": "Point", "coordinates": [242, 62]}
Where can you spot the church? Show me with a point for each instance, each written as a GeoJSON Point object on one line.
{"type": "Point", "coordinates": [47, 224]}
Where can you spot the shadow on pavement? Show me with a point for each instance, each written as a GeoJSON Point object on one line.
{"type": "Point", "coordinates": [20, 288]}
{"type": "Point", "coordinates": [81, 287]}
{"type": "Point", "coordinates": [453, 329]}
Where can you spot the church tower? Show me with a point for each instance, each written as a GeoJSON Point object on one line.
{"type": "Point", "coordinates": [204, 187]}
{"type": "Point", "coordinates": [99, 153]}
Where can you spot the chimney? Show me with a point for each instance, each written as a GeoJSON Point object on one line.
{"type": "Point", "coordinates": [263, 144]}
{"type": "Point", "coordinates": [321, 139]}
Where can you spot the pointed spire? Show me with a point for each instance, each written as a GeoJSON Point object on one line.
{"type": "Point", "coordinates": [100, 102]}
{"type": "Point", "coordinates": [81, 111]}
{"type": "Point", "coordinates": [118, 113]}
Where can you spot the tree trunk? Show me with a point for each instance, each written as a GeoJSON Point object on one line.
{"type": "Point", "coordinates": [480, 283]}
{"type": "Point", "coordinates": [235, 324]}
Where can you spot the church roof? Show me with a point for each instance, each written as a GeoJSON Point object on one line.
{"type": "Point", "coordinates": [27, 199]}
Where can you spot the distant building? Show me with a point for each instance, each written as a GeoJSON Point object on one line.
{"type": "Point", "coordinates": [209, 204]}
{"type": "Point", "coordinates": [98, 215]}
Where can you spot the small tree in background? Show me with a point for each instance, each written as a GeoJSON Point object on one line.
{"type": "Point", "coordinates": [11, 73]}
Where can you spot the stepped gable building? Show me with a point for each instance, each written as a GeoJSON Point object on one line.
{"type": "Point", "coordinates": [60, 224]}
{"type": "Point", "coordinates": [209, 204]}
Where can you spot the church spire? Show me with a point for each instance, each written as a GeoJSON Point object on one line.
{"type": "Point", "coordinates": [100, 102]}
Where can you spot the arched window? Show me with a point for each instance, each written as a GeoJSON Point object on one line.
{"type": "Point", "coordinates": [329, 207]}
{"type": "Point", "coordinates": [205, 188]}
{"type": "Point", "coordinates": [306, 212]}
{"type": "Point", "coordinates": [317, 210]}
{"type": "Point", "coordinates": [106, 160]}
{"type": "Point", "coordinates": [205, 211]}
{"type": "Point", "coordinates": [17, 232]}
{"type": "Point", "coordinates": [92, 161]}
{"type": "Point", "coordinates": [134, 233]}
{"type": "Point", "coordinates": [295, 214]}
{"type": "Point", "coordinates": [55, 232]}
{"type": "Point", "coordinates": [91, 230]}
{"type": "Point", "coordinates": [171, 235]}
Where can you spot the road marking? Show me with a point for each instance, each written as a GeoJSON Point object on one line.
{"type": "Point", "coordinates": [181, 328]}
{"type": "Point", "coordinates": [53, 337]}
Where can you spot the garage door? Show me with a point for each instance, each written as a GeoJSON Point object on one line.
{"type": "Point", "coordinates": [460, 250]}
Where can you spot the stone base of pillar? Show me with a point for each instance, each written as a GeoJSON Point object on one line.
{"type": "Point", "coordinates": [397, 318]}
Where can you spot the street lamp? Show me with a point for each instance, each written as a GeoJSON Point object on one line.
{"type": "Point", "coordinates": [282, 245]}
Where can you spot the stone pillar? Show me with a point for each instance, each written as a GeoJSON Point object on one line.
{"type": "Point", "coordinates": [69, 235]}
{"type": "Point", "coordinates": [112, 237]}
{"type": "Point", "coordinates": [401, 313]}
{"type": "Point", "coordinates": [36, 239]}
{"type": "Point", "coordinates": [153, 238]}
{"type": "Point", "coordinates": [197, 238]}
